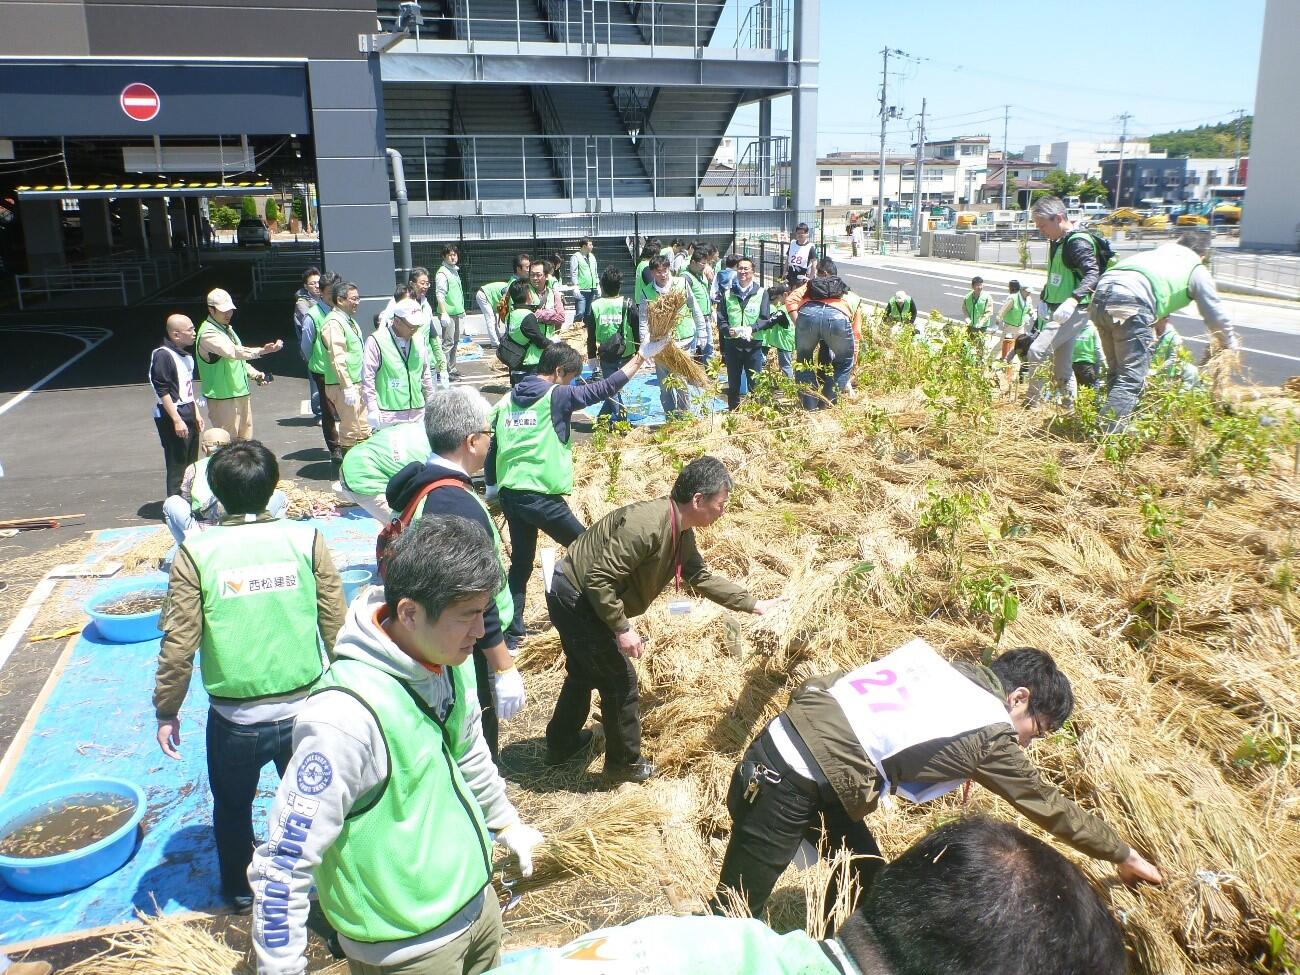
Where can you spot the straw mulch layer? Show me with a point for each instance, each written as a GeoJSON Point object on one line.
{"type": "Point", "coordinates": [1161, 570]}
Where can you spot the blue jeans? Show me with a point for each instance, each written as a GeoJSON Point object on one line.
{"type": "Point", "coordinates": [582, 303]}
{"type": "Point", "coordinates": [613, 406]}
{"type": "Point", "coordinates": [676, 402]}
{"type": "Point", "coordinates": [237, 754]}
{"type": "Point", "coordinates": [785, 360]}
{"type": "Point", "coordinates": [527, 513]}
{"type": "Point", "coordinates": [743, 360]}
{"type": "Point", "coordinates": [1127, 344]}
{"type": "Point", "coordinates": [823, 341]}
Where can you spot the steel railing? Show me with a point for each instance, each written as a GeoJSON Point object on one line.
{"type": "Point", "coordinates": [50, 282]}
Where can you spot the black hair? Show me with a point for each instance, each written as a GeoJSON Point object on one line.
{"type": "Point", "coordinates": [522, 260]}
{"type": "Point", "coordinates": [778, 289]}
{"type": "Point", "coordinates": [977, 892]}
{"type": "Point", "coordinates": [243, 476]}
{"type": "Point", "coordinates": [976, 280]}
{"type": "Point", "coordinates": [449, 249]}
{"type": "Point", "coordinates": [802, 226]}
{"type": "Point", "coordinates": [519, 293]}
{"type": "Point", "coordinates": [402, 291]}
{"type": "Point", "coordinates": [678, 242]}
{"type": "Point", "coordinates": [415, 275]}
{"type": "Point", "coordinates": [558, 356]}
{"type": "Point", "coordinates": [744, 259]}
{"type": "Point", "coordinates": [1050, 696]}
{"type": "Point", "coordinates": [328, 281]}
{"type": "Point", "coordinates": [584, 241]}
{"type": "Point", "coordinates": [826, 268]}
{"type": "Point", "coordinates": [611, 281]}
{"type": "Point", "coordinates": [539, 261]}
{"type": "Point", "coordinates": [342, 288]}
{"type": "Point", "coordinates": [731, 260]}
{"type": "Point", "coordinates": [1013, 286]}
{"type": "Point", "coordinates": [310, 272]}
{"type": "Point", "coordinates": [440, 560]}
{"type": "Point", "coordinates": [704, 475]}
{"type": "Point", "coordinates": [660, 262]}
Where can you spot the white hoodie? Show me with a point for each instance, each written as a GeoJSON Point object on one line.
{"type": "Point", "coordinates": [339, 756]}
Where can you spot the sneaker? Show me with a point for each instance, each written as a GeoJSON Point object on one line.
{"type": "Point", "coordinates": [454, 374]}
{"type": "Point", "coordinates": [637, 772]}
{"type": "Point", "coordinates": [553, 757]}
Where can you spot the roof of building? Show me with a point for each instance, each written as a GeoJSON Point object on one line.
{"type": "Point", "coordinates": [961, 138]}
{"type": "Point", "coordinates": [873, 158]}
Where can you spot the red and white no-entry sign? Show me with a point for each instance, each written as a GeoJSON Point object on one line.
{"type": "Point", "coordinates": [140, 102]}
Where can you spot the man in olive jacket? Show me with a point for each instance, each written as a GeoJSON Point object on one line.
{"type": "Point", "coordinates": [610, 575]}
{"type": "Point", "coordinates": [909, 723]}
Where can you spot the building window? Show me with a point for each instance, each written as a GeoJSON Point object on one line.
{"type": "Point", "coordinates": [947, 152]}
{"type": "Point", "coordinates": [855, 201]}
{"type": "Point", "coordinates": [859, 173]}
{"type": "Point", "coordinates": [969, 150]}
{"type": "Point", "coordinates": [1038, 174]}
{"type": "Point", "coordinates": [909, 172]}
{"type": "Point", "coordinates": [824, 201]}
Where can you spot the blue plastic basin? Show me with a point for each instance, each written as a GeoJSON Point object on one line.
{"type": "Point", "coordinates": [79, 868]}
{"type": "Point", "coordinates": [136, 628]}
{"type": "Point", "coordinates": [354, 580]}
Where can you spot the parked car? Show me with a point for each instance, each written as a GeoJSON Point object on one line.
{"type": "Point", "coordinates": [253, 230]}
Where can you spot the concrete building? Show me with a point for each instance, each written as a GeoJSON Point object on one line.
{"type": "Point", "coordinates": [1086, 157]}
{"type": "Point", "coordinates": [1023, 179]}
{"type": "Point", "coordinates": [852, 179]}
{"type": "Point", "coordinates": [1207, 178]}
{"type": "Point", "coordinates": [543, 121]}
{"type": "Point", "coordinates": [1157, 179]}
{"type": "Point", "coordinates": [971, 154]}
{"type": "Point", "coordinates": [1271, 218]}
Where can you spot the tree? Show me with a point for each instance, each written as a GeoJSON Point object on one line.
{"type": "Point", "coordinates": [1093, 189]}
{"type": "Point", "coordinates": [272, 210]}
{"type": "Point", "coordinates": [1206, 141]}
{"type": "Point", "coordinates": [223, 217]}
{"type": "Point", "coordinates": [1061, 183]}
{"type": "Point", "coordinates": [248, 207]}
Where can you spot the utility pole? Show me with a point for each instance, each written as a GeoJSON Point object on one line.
{"type": "Point", "coordinates": [918, 193]}
{"type": "Point", "coordinates": [880, 170]}
{"type": "Point", "coordinates": [1236, 129]}
{"type": "Point", "coordinates": [1006, 162]}
{"type": "Point", "coordinates": [1119, 172]}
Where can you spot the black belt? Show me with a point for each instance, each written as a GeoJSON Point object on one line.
{"type": "Point", "coordinates": [771, 756]}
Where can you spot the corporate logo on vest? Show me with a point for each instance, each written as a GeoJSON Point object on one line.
{"type": "Point", "coordinates": [521, 420]}
{"type": "Point", "coordinates": [315, 774]}
{"type": "Point", "coordinates": [254, 579]}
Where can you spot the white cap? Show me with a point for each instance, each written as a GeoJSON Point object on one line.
{"type": "Point", "coordinates": [406, 308]}
{"type": "Point", "coordinates": [220, 300]}
{"type": "Point", "coordinates": [901, 295]}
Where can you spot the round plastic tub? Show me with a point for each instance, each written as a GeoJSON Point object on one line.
{"type": "Point", "coordinates": [355, 579]}
{"type": "Point", "coordinates": [136, 628]}
{"type": "Point", "coordinates": [78, 868]}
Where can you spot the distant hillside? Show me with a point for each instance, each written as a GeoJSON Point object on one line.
{"type": "Point", "coordinates": [1205, 141]}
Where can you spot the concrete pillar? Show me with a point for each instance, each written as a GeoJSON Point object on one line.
{"type": "Point", "coordinates": [133, 238]}
{"type": "Point", "coordinates": [160, 227]}
{"type": "Point", "coordinates": [96, 228]}
{"type": "Point", "coordinates": [43, 233]}
{"type": "Point", "coordinates": [176, 214]}
{"type": "Point", "coordinates": [803, 151]}
{"type": "Point", "coordinates": [765, 147]}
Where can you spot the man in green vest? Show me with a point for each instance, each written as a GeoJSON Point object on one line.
{"type": "Point", "coordinates": [260, 601]}
{"type": "Point", "coordinates": [743, 306]}
{"type": "Point", "coordinates": [366, 470]}
{"type": "Point", "coordinates": [449, 299]}
{"type": "Point", "coordinates": [1015, 317]}
{"type": "Point", "coordinates": [583, 276]}
{"type": "Point", "coordinates": [613, 335]}
{"type": "Point", "coordinates": [530, 465]}
{"type": "Point", "coordinates": [456, 426]}
{"type": "Point", "coordinates": [1136, 292]}
{"type": "Point", "coordinates": [777, 332]}
{"type": "Point", "coordinates": [900, 311]}
{"type": "Point", "coordinates": [1074, 267]}
{"type": "Point", "coordinates": [488, 298]}
{"type": "Point", "coordinates": [523, 332]}
{"type": "Point", "coordinates": [1088, 360]}
{"type": "Point", "coordinates": [975, 309]}
{"type": "Point", "coordinates": [225, 367]}
{"type": "Point", "coordinates": [391, 802]}
{"type": "Point", "coordinates": [315, 355]}
{"type": "Point", "coordinates": [339, 339]}
{"type": "Point", "coordinates": [641, 287]}
{"type": "Point", "coordinates": [691, 324]}
{"type": "Point", "coordinates": [396, 380]}
{"type": "Point", "coordinates": [196, 506]}
{"type": "Point", "coordinates": [949, 903]}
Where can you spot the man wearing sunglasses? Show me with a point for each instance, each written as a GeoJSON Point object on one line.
{"type": "Point", "coordinates": [910, 723]}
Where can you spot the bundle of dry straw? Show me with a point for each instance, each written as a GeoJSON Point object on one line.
{"type": "Point", "coordinates": [664, 312]}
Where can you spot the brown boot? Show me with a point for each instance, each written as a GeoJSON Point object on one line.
{"type": "Point", "coordinates": [30, 968]}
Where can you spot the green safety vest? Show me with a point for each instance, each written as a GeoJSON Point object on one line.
{"type": "Point", "coordinates": [739, 315]}
{"type": "Point", "coordinates": [1087, 348]}
{"type": "Point", "coordinates": [899, 312]}
{"type": "Point", "coordinates": [352, 335]}
{"type": "Point", "coordinates": [779, 336]}
{"type": "Point", "coordinates": [414, 851]}
{"type": "Point", "coordinates": [514, 328]}
{"type": "Point", "coordinates": [667, 252]}
{"type": "Point", "coordinates": [530, 457]}
{"type": "Point", "coordinates": [1167, 350]}
{"type": "Point", "coordinates": [975, 310]}
{"type": "Point", "coordinates": [1062, 280]}
{"type": "Point", "coordinates": [200, 490]}
{"type": "Point", "coordinates": [685, 321]}
{"type": "Point", "coordinates": [369, 465]}
{"type": "Point", "coordinates": [611, 318]}
{"type": "Point", "coordinates": [493, 292]}
{"type": "Point", "coordinates": [1169, 270]}
{"type": "Point", "coordinates": [453, 303]}
{"type": "Point", "coordinates": [641, 290]}
{"type": "Point", "coordinates": [700, 291]}
{"type": "Point", "coordinates": [399, 378]}
{"type": "Point", "coordinates": [316, 360]}
{"type": "Point", "coordinates": [585, 277]}
{"type": "Point", "coordinates": [1015, 315]}
{"type": "Point", "coordinates": [225, 378]}
{"type": "Point", "coordinates": [505, 602]}
{"type": "Point", "coordinates": [259, 608]}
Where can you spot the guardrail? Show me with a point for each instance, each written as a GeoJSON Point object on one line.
{"type": "Point", "coordinates": [1277, 275]}
{"type": "Point", "coordinates": [48, 282]}
{"type": "Point", "coordinates": [281, 269]}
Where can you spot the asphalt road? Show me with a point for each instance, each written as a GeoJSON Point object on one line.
{"type": "Point", "coordinates": [1269, 330]}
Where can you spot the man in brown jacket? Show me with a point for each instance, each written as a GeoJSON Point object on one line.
{"type": "Point", "coordinates": [909, 723]}
{"type": "Point", "coordinates": [610, 575]}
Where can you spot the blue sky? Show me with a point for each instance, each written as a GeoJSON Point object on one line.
{"type": "Point", "coordinates": [1067, 69]}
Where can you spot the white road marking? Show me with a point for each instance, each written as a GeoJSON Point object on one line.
{"type": "Point", "coordinates": [1276, 355]}
{"type": "Point", "coordinates": [99, 335]}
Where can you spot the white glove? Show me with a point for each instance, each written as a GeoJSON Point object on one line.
{"type": "Point", "coordinates": [445, 321]}
{"type": "Point", "coordinates": [372, 420]}
{"type": "Point", "coordinates": [1043, 313]}
{"type": "Point", "coordinates": [352, 396]}
{"type": "Point", "coordinates": [508, 692]}
{"type": "Point", "coordinates": [652, 348]}
{"type": "Point", "coordinates": [444, 378]}
{"type": "Point", "coordinates": [1064, 310]}
{"type": "Point", "coordinates": [492, 492]}
{"type": "Point", "coordinates": [743, 332]}
{"type": "Point", "coordinates": [521, 839]}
